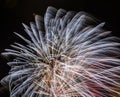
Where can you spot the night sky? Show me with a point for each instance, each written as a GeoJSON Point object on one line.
{"type": "Point", "coordinates": [15, 12]}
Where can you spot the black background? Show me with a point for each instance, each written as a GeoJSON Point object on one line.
{"type": "Point", "coordinates": [14, 12]}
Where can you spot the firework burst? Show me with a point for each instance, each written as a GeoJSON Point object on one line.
{"type": "Point", "coordinates": [68, 55]}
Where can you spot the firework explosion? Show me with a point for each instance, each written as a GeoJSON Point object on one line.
{"type": "Point", "coordinates": [68, 55]}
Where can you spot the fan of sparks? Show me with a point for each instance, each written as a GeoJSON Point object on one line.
{"type": "Point", "coordinates": [67, 54]}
